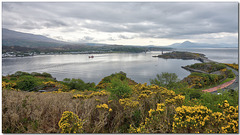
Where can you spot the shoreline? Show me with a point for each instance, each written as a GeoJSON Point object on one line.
{"type": "Point", "coordinates": [201, 58]}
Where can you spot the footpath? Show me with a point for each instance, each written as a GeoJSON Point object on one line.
{"type": "Point", "coordinates": [220, 86]}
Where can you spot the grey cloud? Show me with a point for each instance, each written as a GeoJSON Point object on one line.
{"type": "Point", "coordinates": [55, 23]}
{"type": "Point", "coordinates": [59, 37]}
{"type": "Point", "coordinates": [125, 37]}
{"type": "Point", "coordinates": [111, 39]}
{"type": "Point", "coordinates": [86, 39]}
{"type": "Point", "coordinates": [164, 20]}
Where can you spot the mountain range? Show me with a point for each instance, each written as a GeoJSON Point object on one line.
{"type": "Point", "coordinates": [14, 38]}
{"type": "Point", "coordinates": [188, 44]}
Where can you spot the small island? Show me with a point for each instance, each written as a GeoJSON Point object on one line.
{"type": "Point", "coordinates": [184, 56]}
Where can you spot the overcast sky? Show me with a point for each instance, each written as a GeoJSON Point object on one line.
{"type": "Point", "coordinates": [143, 23]}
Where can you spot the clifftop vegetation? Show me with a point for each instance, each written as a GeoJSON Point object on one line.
{"type": "Point", "coordinates": [116, 105]}
{"type": "Point", "coordinates": [215, 73]}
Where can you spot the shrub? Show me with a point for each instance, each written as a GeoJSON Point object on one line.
{"type": "Point", "coordinates": [195, 94]}
{"type": "Point", "coordinates": [19, 73]}
{"type": "Point", "coordinates": [13, 78]}
{"type": "Point", "coordinates": [78, 84]}
{"type": "Point", "coordinates": [36, 74]}
{"type": "Point", "coordinates": [230, 73]}
{"type": "Point", "coordinates": [201, 80]}
{"type": "Point", "coordinates": [105, 82]}
{"type": "Point", "coordinates": [212, 100]}
{"type": "Point", "coordinates": [4, 79]}
{"type": "Point", "coordinates": [208, 67]}
{"type": "Point", "coordinates": [70, 123]}
{"type": "Point", "coordinates": [119, 89]}
{"type": "Point", "coordinates": [26, 83]}
{"type": "Point", "coordinates": [44, 74]}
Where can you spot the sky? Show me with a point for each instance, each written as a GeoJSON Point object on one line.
{"type": "Point", "coordinates": [126, 23]}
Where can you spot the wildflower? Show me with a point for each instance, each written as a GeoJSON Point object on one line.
{"type": "Point", "coordinates": [102, 106]}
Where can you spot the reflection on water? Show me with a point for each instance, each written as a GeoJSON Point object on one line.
{"type": "Point", "coordinates": [138, 66]}
{"type": "Point", "coordinates": [224, 55]}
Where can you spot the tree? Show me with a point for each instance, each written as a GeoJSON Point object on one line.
{"type": "Point", "coordinates": [165, 80]}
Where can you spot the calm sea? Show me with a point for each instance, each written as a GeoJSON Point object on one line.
{"type": "Point", "coordinates": [139, 66]}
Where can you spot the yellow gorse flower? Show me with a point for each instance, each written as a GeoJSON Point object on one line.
{"type": "Point", "coordinates": [128, 103]}
{"type": "Point", "coordinates": [70, 123]}
{"type": "Point", "coordinates": [93, 94]}
{"type": "Point", "coordinates": [102, 106]}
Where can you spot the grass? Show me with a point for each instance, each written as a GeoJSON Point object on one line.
{"type": "Point", "coordinates": [31, 112]}
{"type": "Point", "coordinates": [226, 80]}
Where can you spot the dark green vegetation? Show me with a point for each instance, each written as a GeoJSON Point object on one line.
{"type": "Point", "coordinates": [121, 77]}
{"type": "Point", "coordinates": [78, 84]}
{"type": "Point", "coordinates": [44, 81]}
{"type": "Point", "coordinates": [208, 67]}
{"type": "Point", "coordinates": [119, 89]}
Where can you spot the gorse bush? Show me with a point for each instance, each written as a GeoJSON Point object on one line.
{"type": "Point", "coordinates": [234, 66]}
{"type": "Point", "coordinates": [200, 119]}
{"type": "Point", "coordinates": [201, 80]}
{"type": "Point", "coordinates": [70, 123]}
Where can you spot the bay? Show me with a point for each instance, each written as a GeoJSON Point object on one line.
{"type": "Point", "coordinates": [139, 66]}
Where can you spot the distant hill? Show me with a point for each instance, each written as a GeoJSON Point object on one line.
{"type": "Point", "coordinates": [14, 38]}
{"type": "Point", "coordinates": [188, 44]}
